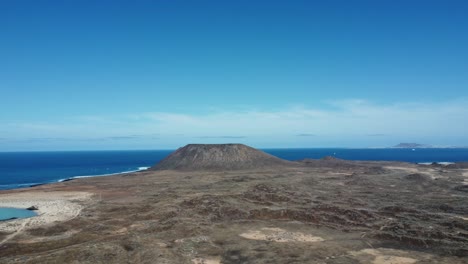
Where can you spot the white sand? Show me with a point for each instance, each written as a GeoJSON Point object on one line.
{"type": "Point", "coordinates": [279, 235]}
{"type": "Point", "coordinates": [53, 207]}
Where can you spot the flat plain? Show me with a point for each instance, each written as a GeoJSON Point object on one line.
{"type": "Point", "coordinates": [313, 211]}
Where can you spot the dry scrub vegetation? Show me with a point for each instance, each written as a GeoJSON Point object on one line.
{"type": "Point", "coordinates": [327, 211]}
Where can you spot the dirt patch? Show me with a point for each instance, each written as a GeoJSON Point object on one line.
{"type": "Point", "coordinates": [64, 235]}
{"type": "Point", "coordinates": [413, 170]}
{"type": "Point", "coordinates": [418, 177]}
{"type": "Point", "coordinates": [210, 260]}
{"type": "Point", "coordinates": [266, 193]}
{"type": "Point", "coordinates": [383, 256]}
{"type": "Point", "coordinates": [280, 235]}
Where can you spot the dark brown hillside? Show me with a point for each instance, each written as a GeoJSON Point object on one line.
{"type": "Point", "coordinates": [218, 157]}
{"type": "Point", "coordinates": [458, 165]}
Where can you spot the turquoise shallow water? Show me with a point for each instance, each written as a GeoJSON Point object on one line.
{"type": "Point", "coordinates": [8, 213]}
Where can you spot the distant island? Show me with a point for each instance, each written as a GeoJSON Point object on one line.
{"type": "Point", "coordinates": [417, 145]}
{"type": "Point", "coordinates": [412, 145]}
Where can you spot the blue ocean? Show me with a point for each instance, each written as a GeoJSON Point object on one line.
{"type": "Point", "coordinates": [25, 169]}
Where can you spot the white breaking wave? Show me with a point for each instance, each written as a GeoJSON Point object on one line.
{"type": "Point", "coordinates": [441, 163]}
{"type": "Point", "coordinates": [99, 175]}
{"type": "Point", "coordinates": [25, 185]}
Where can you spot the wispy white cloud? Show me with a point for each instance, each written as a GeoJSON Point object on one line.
{"type": "Point", "coordinates": [306, 135]}
{"type": "Point", "coordinates": [376, 135]}
{"type": "Point", "coordinates": [351, 117]}
{"type": "Point", "coordinates": [223, 137]}
{"type": "Point", "coordinates": [340, 119]}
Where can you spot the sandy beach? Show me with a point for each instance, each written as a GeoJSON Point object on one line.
{"type": "Point", "coordinates": [55, 206]}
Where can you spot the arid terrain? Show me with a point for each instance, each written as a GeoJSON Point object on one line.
{"type": "Point", "coordinates": [310, 211]}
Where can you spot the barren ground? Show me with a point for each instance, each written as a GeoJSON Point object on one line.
{"type": "Point", "coordinates": [355, 212]}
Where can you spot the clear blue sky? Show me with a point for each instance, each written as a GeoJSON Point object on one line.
{"type": "Point", "coordinates": [160, 74]}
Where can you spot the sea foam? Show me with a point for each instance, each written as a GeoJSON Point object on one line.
{"type": "Point", "coordinates": [100, 175]}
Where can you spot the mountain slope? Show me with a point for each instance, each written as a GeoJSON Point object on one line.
{"type": "Point", "coordinates": [218, 157]}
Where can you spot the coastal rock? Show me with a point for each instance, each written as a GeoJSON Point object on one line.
{"type": "Point", "coordinates": [32, 208]}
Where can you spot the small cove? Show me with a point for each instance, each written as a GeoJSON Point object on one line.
{"type": "Point", "coordinates": [7, 213]}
